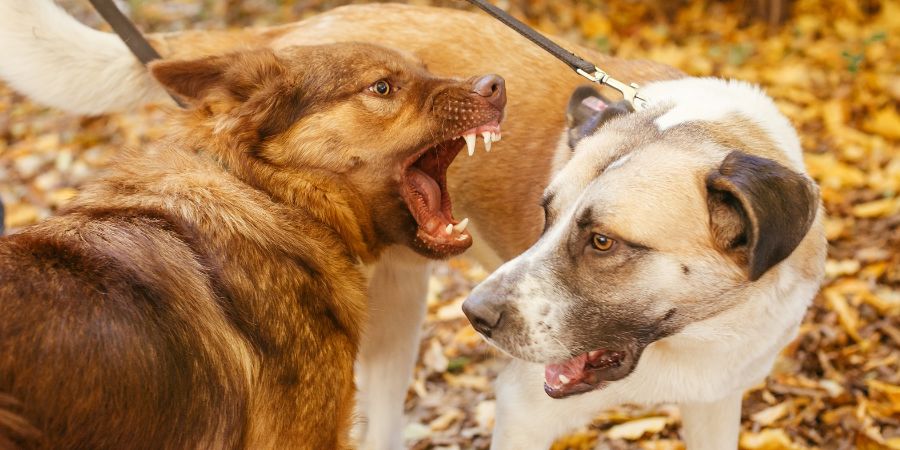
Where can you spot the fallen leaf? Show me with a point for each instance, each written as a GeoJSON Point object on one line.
{"type": "Point", "coordinates": [767, 439]}
{"type": "Point", "coordinates": [885, 122]}
{"type": "Point", "coordinates": [635, 429]}
{"type": "Point", "coordinates": [771, 414]}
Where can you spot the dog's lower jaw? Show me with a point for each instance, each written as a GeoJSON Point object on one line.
{"type": "Point", "coordinates": [423, 188]}
{"type": "Point", "coordinates": [527, 418]}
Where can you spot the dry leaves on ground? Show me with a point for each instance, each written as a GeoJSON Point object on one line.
{"type": "Point", "coordinates": [832, 68]}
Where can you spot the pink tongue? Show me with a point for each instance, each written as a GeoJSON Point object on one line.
{"type": "Point", "coordinates": [572, 369]}
{"type": "Point", "coordinates": [426, 186]}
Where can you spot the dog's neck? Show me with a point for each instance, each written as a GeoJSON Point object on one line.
{"type": "Point", "coordinates": [326, 196]}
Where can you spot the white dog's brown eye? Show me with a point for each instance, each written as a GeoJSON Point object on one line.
{"type": "Point", "coordinates": [602, 242]}
{"type": "Point", "coordinates": [381, 87]}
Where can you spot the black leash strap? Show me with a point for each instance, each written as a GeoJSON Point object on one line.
{"type": "Point", "coordinates": [129, 34]}
{"type": "Point", "coordinates": [575, 62]}
{"type": "Point", "coordinates": [572, 60]}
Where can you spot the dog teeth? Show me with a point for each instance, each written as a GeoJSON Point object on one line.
{"type": "Point", "coordinates": [564, 379]}
{"type": "Point", "coordinates": [496, 136]}
{"type": "Point", "coordinates": [470, 142]}
{"type": "Point", "coordinates": [487, 136]}
{"type": "Point", "coordinates": [594, 354]}
{"type": "Point", "coordinates": [449, 229]}
{"type": "Point", "coordinates": [461, 226]}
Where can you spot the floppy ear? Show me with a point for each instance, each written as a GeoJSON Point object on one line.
{"type": "Point", "coordinates": [587, 111]}
{"type": "Point", "coordinates": [759, 210]}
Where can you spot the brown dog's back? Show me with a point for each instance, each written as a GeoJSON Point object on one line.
{"type": "Point", "coordinates": [160, 326]}
{"type": "Point", "coordinates": [99, 342]}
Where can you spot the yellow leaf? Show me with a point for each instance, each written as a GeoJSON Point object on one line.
{"type": "Point", "coordinates": [834, 114]}
{"type": "Point", "coordinates": [834, 269]}
{"type": "Point", "coordinates": [891, 391]}
{"type": "Point", "coordinates": [586, 440]}
{"type": "Point", "coordinates": [883, 303]}
{"type": "Point", "coordinates": [768, 439]}
{"type": "Point", "coordinates": [847, 316]}
{"type": "Point", "coordinates": [771, 414]}
{"type": "Point", "coordinates": [636, 428]}
{"type": "Point", "coordinates": [663, 444]}
{"type": "Point", "coordinates": [834, 228]}
{"type": "Point", "coordinates": [885, 122]}
{"type": "Point", "coordinates": [877, 208]}
{"type": "Point", "coordinates": [444, 421]}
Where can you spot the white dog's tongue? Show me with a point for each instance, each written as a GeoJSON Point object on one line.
{"type": "Point", "coordinates": [569, 372]}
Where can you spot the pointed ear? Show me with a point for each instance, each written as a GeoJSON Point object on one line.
{"type": "Point", "coordinates": [190, 79]}
{"type": "Point", "coordinates": [235, 76]}
{"type": "Point", "coordinates": [759, 210]}
{"type": "Point", "coordinates": [587, 111]}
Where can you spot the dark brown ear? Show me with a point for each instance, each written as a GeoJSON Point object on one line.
{"type": "Point", "coordinates": [759, 210]}
{"type": "Point", "coordinates": [190, 79]}
{"type": "Point", "coordinates": [587, 111]}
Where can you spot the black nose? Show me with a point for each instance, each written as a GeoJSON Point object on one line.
{"type": "Point", "coordinates": [484, 314]}
{"type": "Point", "coordinates": [493, 88]}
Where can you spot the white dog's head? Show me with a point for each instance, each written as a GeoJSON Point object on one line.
{"type": "Point", "coordinates": [659, 219]}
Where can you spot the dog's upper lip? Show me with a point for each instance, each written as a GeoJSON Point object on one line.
{"type": "Point", "coordinates": [492, 127]}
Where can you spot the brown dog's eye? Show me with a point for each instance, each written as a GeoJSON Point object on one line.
{"type": "Point", "coordinates": [602, 242]}
{"type": "Point", "coordinates": [381, 87]}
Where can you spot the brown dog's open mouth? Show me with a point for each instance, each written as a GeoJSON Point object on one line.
{"type": "Point", "coordinates": [424, 188]}
{"type": "Point", "coordinates": [583, 373]}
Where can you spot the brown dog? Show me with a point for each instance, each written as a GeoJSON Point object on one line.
{"type": "Point", "coordinates": [207, 293]}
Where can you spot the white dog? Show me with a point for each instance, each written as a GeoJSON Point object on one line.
{"type": "Point", "coordinates": [682, 246]}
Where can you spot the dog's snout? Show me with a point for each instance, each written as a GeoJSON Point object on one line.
{"type": "Point", "coordinates": [493, 88]}
{"type": "Point", "coordinates": [484, 314]}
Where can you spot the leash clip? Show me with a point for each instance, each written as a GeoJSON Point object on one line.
{"type": "Point", "coordinates": [629, 91]}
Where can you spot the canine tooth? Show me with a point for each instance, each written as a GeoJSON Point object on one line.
{"type": "Point", "coordinates": [470, 142]}
{"type": "Point", "coordinates": [461, 226]}
{"type": "Point", "coordinates": [594, 354]}
{"type": "Point", "coordinates": [449, 228]}
{"type": "Point", "coordinates": [564, 379]}
{"type": "Point", "coordinates": [487, 140]}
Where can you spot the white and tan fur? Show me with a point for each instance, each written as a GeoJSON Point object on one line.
{"type": "Point", "coordinates": [734, 329]}
{"type": "Point", "coordinates": [57, 61]}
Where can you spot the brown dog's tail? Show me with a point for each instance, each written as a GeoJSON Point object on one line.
{"type": "Point", "coordinates": [16, 433]}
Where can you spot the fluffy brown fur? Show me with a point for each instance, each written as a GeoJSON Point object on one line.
{"type": "Point", "coordinates": [206, 293]}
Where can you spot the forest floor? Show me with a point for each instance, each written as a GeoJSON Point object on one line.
{"type": "Point", "coordinates": [834, 70]}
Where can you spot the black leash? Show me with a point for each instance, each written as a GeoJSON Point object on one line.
{"type": "Point", "coordinates": [129, 34]}
{"type": "Point", "coordinates": [575, 62]}
{"type": "Point", "coordinates": [146, 53]}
